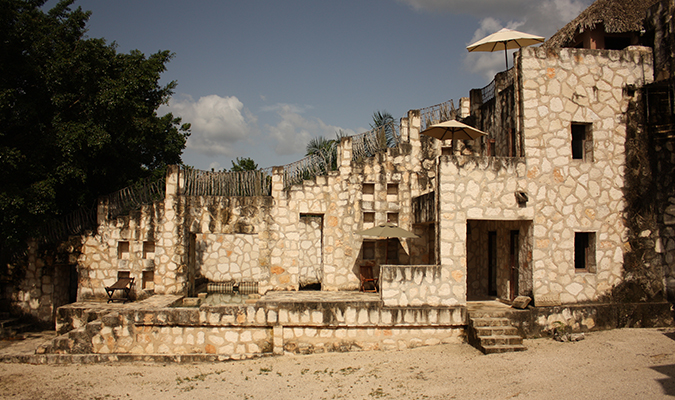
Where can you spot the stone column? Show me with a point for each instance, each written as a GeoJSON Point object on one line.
{"type": "Point", "coordinates": [171, 273]}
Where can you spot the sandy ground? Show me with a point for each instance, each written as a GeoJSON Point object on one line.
{"type": "Point", "coordinates": [618, 364]}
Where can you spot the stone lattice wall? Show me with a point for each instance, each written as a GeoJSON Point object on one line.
{"type": "Point", "coordinates": [122, 246]}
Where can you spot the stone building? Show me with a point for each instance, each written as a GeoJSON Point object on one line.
{"type": "Point", "coordinates": [540, 207]}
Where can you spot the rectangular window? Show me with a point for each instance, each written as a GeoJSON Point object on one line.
{"type": "Point", "coordinates": [368, 188]}
{"type": "Point", "coordinates": [368, 250]}
{"type": "Point", "coordinates": [123, 250]}
{"type": "Point", "coordinates": [148, 250]}
{"type": "Point", "coordinates": [148, 280]}
{"type": "Point", "coordinates": [392, 189]}
{"type": "Point", "coordinates": [369, 217]}
{"type": "Point", "coordinates": [584, 251]}
{"type": "Point", "coordinates": [582, 142]}
{"type": "Point", "coordinates": [393, 218]}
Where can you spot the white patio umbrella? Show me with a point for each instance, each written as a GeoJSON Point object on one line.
{"type": "Point", "coordinates": [388, 230]}
{"type": "Point", "coordinates": [453, 129]}
{"type": "Point", "coordinates": [505, 39]}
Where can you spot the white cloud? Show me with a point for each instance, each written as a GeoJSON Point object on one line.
{"type": "Point", "coordinates": [505, 10]}
{"type": "Point", "coordinates": [294, 131]}
{"type": "Point", "coordinates": [218, 123]}
{"type": "Point", "coordinates": [544, 18]}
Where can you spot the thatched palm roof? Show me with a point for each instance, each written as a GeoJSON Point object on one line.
{"type": "Point", "coordinates": [618, 16]}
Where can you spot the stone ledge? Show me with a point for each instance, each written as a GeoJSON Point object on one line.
{"type": "Point", "coordinates": [54, 359]}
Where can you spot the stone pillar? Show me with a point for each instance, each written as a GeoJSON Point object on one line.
{"type": "Point", "coordinates": [277, 182]}
{"type": "Point", "coordinates": [171, 273]}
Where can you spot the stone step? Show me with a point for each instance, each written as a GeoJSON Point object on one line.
{"type": "Point", "coordinates": [500, 340]}
{"type": "Point", "coordinates": [484, 322]}
{"type": "Point", "coordinates": [490, 331]}
{"type": "Point", "coordinates": [5, 322]}
{"type": "Point", "coordinates": [496, 330]}
{"type": "Point", "coordinates": [490, 313]}
{"type": "Point", "coordinates": [13, 329]}
{"type": "Point", "coordinates": [501, 349]}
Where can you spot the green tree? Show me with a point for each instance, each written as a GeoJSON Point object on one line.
{"type": "Point", "coordinates": [243, 164]}
{"type": "Point", "coordinates": [383, 122]}
{"type": "Point", "coordinates": [77, 119]}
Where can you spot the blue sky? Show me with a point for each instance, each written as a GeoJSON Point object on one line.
{"type": "Point", "coordinates": [260, 78]}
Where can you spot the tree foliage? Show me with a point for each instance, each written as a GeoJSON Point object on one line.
{"type": "Point", "coordinates": [77, 119]}
{"type": "Point", "coordinates": [244, 164]}
{"type": "Point", "coordinates": [383, 122]}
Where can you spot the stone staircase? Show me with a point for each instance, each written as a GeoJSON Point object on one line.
{"type": "Point", "coordinates": [12, 328]}
{"type": "Point", "coordinates": [490, 329]}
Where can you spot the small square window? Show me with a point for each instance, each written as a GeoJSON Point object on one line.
{"type": "Point", "coordinates": [148, 250]}
{"type": "Point", "coordinates": [392, 189]}
{"type": "Point", "coordinates": [392, 218]}
{"type": "Point", "coordinates": [368, 188]}
{"type": "Point", "coordinates": [369, 217]}
{"type": "Point", "coordinates": [148, 280]}
{"type": "Point", "coordinates": [584, 252]}
{"type": "Point", "coordinates": [123, 250]}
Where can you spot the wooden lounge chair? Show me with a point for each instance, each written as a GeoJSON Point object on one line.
{"type": "Point", "coordinates": [368, 281]}
{"type": "Point", "coordinates": [122, 284]}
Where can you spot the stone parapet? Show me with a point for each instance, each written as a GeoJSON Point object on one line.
{"type": "Point", "coordinates": [241, 331]}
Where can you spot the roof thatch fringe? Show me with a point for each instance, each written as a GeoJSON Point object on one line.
{"type": "Point", "coordinates": [618, 16]}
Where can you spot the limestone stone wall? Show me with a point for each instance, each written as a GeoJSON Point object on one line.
{"type": "Point", "coordinates": [416, 285]}
{"type": "Point", "coordinates": [229, 257]}
{"type": "Point", "coordinates": [318, 340]}
{"type": "Point", "coordinates": [475, 188]}
{"type": "Point", "coordinates": [559, 89]}
{"type": "Point", "coordinates": [47, 282]}
{"type": "Point", "coordinates": [151, 327]}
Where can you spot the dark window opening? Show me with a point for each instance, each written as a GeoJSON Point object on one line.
{"type": "Point", "coordinates": [584, 251]}
{"type": "Point", "coordinates": [582, 142]}
{"type": "Point", "coordinates": [368, 188]}
{"type": "Point", "coordinates": [369, 217]}
{"type": "Point", "coordinates": [392, 218]}
{"type": "Point", "coordinates": [616, 43]}
{"type": "Point", "coordinates": [392, 189]}
{"type": "Point", "coordinates": [311, 286]}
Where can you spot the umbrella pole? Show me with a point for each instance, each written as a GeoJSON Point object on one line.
{"type": "Point", "coordinates": [506, 57]}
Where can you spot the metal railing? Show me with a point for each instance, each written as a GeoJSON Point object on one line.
{"type": "Point", "coordinates": [438, 113]}
{"type": "Point", "coordinates": [375, 141]}
{"type": "Point", "coordinates": [222, 183]}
